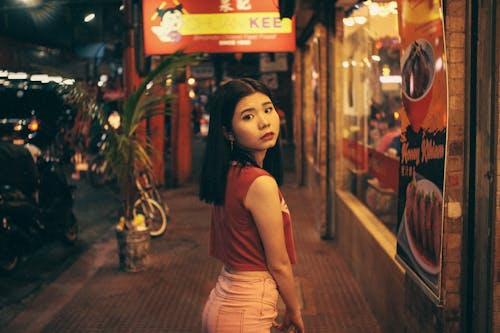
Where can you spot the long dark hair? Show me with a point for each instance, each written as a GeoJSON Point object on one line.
{"type": "Point", "coordinates": [218, 153]}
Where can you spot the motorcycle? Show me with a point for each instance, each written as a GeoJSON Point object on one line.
{"type": "Point", "coordinates": [8, 255]}
{"type": "Point", "coordinates": [28, 222]}
{"type": "Point", "coordinates": [56, 199]}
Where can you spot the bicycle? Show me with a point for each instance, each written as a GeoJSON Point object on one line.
{"type": "Point", "coordinates": [151, 205]}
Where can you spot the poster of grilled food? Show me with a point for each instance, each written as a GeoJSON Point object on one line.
{"type": "Point", "coordinates": [424, 93]}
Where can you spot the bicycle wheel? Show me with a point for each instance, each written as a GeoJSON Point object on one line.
{"type": "Point", "coordinates": [157, 197]}
{"type": "Point", "coordinates": [155, 216]}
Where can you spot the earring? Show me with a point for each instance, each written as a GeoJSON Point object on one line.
{"type": "Point", "coordinates": [232, 144]}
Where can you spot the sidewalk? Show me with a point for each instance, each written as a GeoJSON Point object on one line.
{"type": "Point", "coordinates": [93, 295]}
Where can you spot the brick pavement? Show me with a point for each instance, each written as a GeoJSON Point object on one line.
{"type": "Point", "coordinates": [93, 295]}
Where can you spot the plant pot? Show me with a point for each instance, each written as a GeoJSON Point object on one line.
{"type": "Point", "coordinates": [133, 249]}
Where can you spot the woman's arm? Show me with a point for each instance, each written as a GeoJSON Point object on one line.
{"type": "Point", "coordinates": [263, 202]}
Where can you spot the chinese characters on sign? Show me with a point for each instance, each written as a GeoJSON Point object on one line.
{"type": "Point", "coordinates": [226, 6]}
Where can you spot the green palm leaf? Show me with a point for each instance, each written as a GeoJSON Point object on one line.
{"type": "Point", "coordinates": [126, 154]}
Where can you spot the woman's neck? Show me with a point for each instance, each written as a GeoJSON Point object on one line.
{"type": "Point", "coordinates": [255, 158]}
{"type": "Point", "coordinates": [259, 156]}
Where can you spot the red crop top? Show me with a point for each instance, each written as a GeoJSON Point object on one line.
{"type": "Point", "coordinates": [234, 237]}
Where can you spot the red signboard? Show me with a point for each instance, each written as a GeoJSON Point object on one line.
{"type": "Point", "coordinates": [215, 26]}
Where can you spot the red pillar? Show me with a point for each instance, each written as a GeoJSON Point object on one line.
{"type": "Point", "coordinates": [130, 76]}
{"type": "Point", "coordinates": [181, 135]}
{"type": "Point", "coordinates": [154, 130]}
{"type": "Point", "coordinates": [157, 139]}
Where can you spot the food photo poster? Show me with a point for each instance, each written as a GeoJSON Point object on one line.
{"type": "Point", "coordinates": [423, 141]}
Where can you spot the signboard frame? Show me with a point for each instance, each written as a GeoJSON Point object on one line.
{"type": "Point", "coordinates": [215, 26]}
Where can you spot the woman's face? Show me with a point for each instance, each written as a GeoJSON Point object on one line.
{"type": "Point", "coordinates": [255, 124]}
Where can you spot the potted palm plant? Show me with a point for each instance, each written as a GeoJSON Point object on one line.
{"type": "Point", "coordinates": [127, 155]}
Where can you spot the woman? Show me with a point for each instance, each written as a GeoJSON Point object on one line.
{"type": "Point", "coordinates": [250, 229]}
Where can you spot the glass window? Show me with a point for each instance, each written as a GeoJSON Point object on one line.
{"type": "Point", "coordinates": [371, 91]}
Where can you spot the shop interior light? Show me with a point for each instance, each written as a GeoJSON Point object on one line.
{"type": "Point", "coordinates": [17, 76]}
{"type": "Point", "coordinates": [68, 82]}
{"type": "Point", "coordinates": [4, 73]}
{"type": "Point", "coordinates": [39, 78]}
{"type": "Point", "coordinates": [345, 64]}
{"type": "Point", "coordinates": [390, 79]}
{"type": "Point", "coordinates": [28, 3]}
{"type": "Point", "coordinates": [89, 17]}
{"type": "Point", "coordinates": [393, 6]}
{"type": "Point", "coordinates": [375, 58]}
{"type": "Point", "coordinates": [192, 94]}
{"type": "Point", "coordinates": [386, 71]}
{"type": "Point", "coordinates": [56, 79]}
{"type": "Point", "coordinates": [382, 9]}
{"type": "Point", "coordinates": [114, 120]}
{"type": "Point", "coordinates": [374, 8]}
{"type": "Point", "coordinates": [191, 81]}
{"type": "Point", "coordinates": [44, 78]}
{"type": "Point", "coordinates": [349, 21]}
{"type": "Point", "coordinates": [360, 20]}
{"type": "Point", "coordinates": [353, 63]}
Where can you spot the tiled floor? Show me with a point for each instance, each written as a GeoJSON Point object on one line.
{"type": "Point", "coordinates": [95, 296]}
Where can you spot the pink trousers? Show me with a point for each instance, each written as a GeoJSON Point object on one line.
{"type": "Point", "coordinates": [241, 302]}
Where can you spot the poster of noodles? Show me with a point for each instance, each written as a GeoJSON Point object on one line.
{"type": "Point", "coordinates": [423, 141]}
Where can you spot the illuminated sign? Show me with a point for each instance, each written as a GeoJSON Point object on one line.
{"type": "Point", "coordinates": [215, 26]}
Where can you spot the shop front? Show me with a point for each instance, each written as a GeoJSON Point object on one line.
{"type": "Point", "coordinates": [386, 128]}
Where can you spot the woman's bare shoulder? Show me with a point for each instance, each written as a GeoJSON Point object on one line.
{"type": "Point", "coordinates": [263, 188]}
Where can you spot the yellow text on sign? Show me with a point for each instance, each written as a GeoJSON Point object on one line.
{"type": "Point", "coordinates": [234, 23]}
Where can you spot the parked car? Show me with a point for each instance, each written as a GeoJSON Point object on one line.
{"type": "Point", "coordinates": [30, 114]}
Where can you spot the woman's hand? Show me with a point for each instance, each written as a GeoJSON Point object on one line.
{"type": "Point", "coordinates": [292, 322]}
